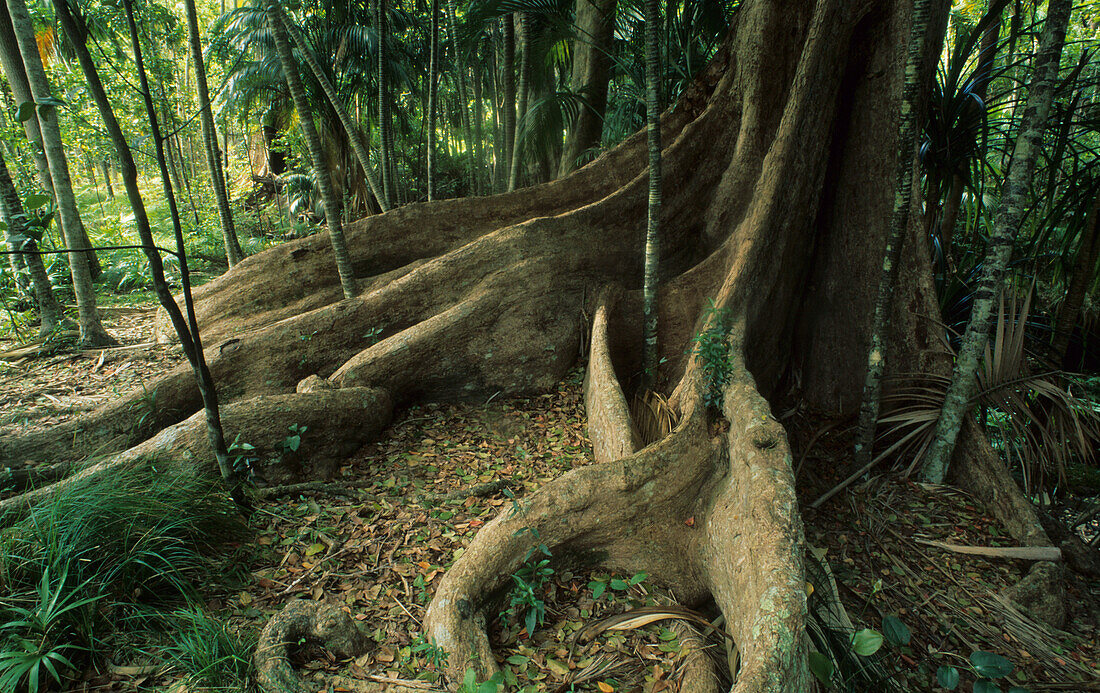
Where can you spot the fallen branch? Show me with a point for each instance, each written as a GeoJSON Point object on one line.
{"type": "Point", "coordinates": [1021, 553]}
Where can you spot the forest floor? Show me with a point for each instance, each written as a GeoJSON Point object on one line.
{"type": "Point", "coordinates": [380, 545]}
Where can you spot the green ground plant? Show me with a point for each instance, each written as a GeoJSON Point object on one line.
{"type": "Point", "coordinates": [107, 551]}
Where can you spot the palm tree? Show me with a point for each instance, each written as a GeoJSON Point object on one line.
{"type": "Point", "coordinates": [433, 97]}
{"type": "Point", "coordinates": [1005, 227]}
{"type": "Point", "coordinates": [92, 333]}
{"type": "Point", "coordinates": [653, 220]}
{"type": "Point", "coordinates": [322, 176]}
{"type": "Point", "coordinates": [210, 139]}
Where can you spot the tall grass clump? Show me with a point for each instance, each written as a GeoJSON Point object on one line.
{"type": "Point", "coordinates": [208, 652]}
{"type": "Point", "coordinates": [93, 555]}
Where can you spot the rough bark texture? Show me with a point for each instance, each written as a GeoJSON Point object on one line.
{"type": "Point", "coordinates": [773, 162]}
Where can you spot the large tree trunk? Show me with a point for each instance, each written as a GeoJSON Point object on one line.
{"type": "Point", "coordinates": [772, 204]}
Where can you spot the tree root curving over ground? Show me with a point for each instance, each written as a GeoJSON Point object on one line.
{"type": "Point", "coordinates": [775, 213]}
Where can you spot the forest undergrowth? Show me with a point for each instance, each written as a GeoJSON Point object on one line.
{"type": "Point", "coordinates": [377, 537]}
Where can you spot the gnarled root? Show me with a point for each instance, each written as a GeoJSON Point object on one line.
{"type": "Point", "coordinates": [303, 622]}
{"type": "Point", "coordinates": [702, 516]}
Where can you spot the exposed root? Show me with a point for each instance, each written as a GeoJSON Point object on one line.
{"type": "Point", "coordinates": [336, 423]}
{"type": "Point", "coordinates": [303, 622]}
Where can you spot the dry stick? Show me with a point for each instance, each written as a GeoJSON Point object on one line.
{"type": "Point", "coordinates": [187, 330]}
{"type": "Point", "coordinates": [1021, 553]}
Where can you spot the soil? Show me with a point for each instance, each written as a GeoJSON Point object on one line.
{"type": "Point", "coordinates": [379, 535]}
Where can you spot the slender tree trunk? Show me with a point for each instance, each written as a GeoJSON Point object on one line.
{"type": "Point", "coordinates": [386, 145]}
{"type": "Point", "coordinates": [16, 72]}
{"type": "Point", "coordinates": [590, 76]}
{"type": "Point", "coordinates": [521, 98]}
{"type": "Point", "coordinates": [433, 96]}
{"type": "Point", "coordinates": [233, 251]}
{"type": "Point", "coordinates": [92, 333]}
{"type": "Point", "coordinates": [317, 153]}
{"type": "Point", "coordinates": [463, 92]}
{"type": "Point", "coordinates": [479, 117]}
{"type": "Point", "coordinates": [1084, 267]}
{"type": "Point", "coordinates": [508, 105]}
{"type": "Point", "coordinates": [187, 330]}
{"type": "Point", "coordinates": [1005, 227]}
{"type": "Point", "coordinates": [50, 313]}
{"type": "Point", "coordinates": [355, 136]}
{"type": "Point", "coordinates": [650, 355]}
{"type": "Point", "coordinates": [899, 222]}
{"type": "Point", "coordinates": [105, 167]}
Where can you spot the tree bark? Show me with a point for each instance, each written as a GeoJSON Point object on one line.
{"type": "Point", "coordinates": [1010, 212]}
{"type": "Point", "coordinates": [321, 173]}
{"type": "Point", "coordinates": [92, 333]}
{"type": "Point", "coordinates": [589, 77]}
{"type": "Point", "coordinates": [233, 252]}
{"type": "Point", "coordinates": [50, 313]}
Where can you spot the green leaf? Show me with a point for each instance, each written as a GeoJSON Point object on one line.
{"type": "Point", "coordinates": [598, 588]}
{"type": "Point", "coordinates": [617, 584]}
{"type": "Point", "coordinates": [315, 549]}
{"type": "Point", "coordinates": [1018, 689]}
{"type": "Point", "coordinates": [487, 687]}
{"type": "Point", "coordinates": [896, 632]}
{"type": "Point", "coordinates": [986, 686]}
{"type": "Point", "coordinates": [991, 666]}
{"type": "Point", "coordinates": [866, 642]}
{"type": "Point", "coordinates": [25, 111]}
{"type": "Point", "coordinates": [518, 659]}
{"type": "Point", "coordinates": [821, 667]}
{"type": "Point", "coordinates": [529, 622]}
{"type": "Point", "coordinates": [36, 201]}
{"type": "Point", "coordinates": [948, 677]}
{"type": "Point", "coordinates": [638, 577]}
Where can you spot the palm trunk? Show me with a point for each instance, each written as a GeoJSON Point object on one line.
{"type": "Point", "coordinates": [1083, 268]}
{"type": "Point", "coordinates": [899, 222]}
{"type": "Point", "coordinates": [317, 154]}
{"type": "Point", "coordinates": [386, 146]}
{"type": "Point", "coordinates": [479, 116]}
{"type": "Point", "coordinates": [433, 96]}
{"type": "Point", "coordinates": [355, 136]}
{"type": "Point", "coordinates": [50, 313]}
{"type": "Point", "coordinates": [187, 330]}
{"type": "Point", "coordinates": [521, 99]}
{"type": "Point", "coordinates": [92, 333]}
{"type": "Point", "coordinates": [508, 105]}
{"type": "Point", "coordinates": [463, 93]}
{"type": "Point", "coordinates": [1005, 227]}
{"type": "Point", "coordinates": [233, 251]}
{"type": "Point", "coordinates": [590, 76]}
{"type": "Point", "coordinates": [653, 217]}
